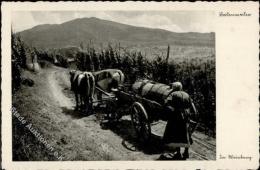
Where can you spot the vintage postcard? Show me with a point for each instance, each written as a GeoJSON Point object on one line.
{"type": "Point", "coordinates": [130, 85]}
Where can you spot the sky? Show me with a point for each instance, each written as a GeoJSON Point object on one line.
{"type": "Point", "coordinates": [175, 21]}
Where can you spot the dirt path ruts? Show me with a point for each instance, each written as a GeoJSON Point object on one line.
{"type": "Point", "coordinates": [99, 144]}
{"type": "Point", "coordinates": [56, 90]}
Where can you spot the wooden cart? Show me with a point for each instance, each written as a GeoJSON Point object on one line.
{"type": "Point", "coordinates": [123, 101]}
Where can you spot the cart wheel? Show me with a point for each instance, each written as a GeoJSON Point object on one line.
{"type": "Point", "coordinates": [140, 122]}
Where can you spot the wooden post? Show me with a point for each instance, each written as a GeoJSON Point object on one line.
{"type": "Point", "coordinates": [166, 63]}
{"type": "Point", "coordinates": [168, 54]}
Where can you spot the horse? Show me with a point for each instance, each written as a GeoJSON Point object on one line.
{"type": "Point", "coordinates": [86, 82]}
{"type": "Point", "coordinates": [83, 85]}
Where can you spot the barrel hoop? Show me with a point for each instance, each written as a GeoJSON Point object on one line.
{"type": "Point", "coordinates": [159, 86]}
{"type": "Point", "coordinates": [142, 85]}
{"type": "Point", "coordinates": [150, 88]}
{"type": "Point", "coordinates": [156, 89]}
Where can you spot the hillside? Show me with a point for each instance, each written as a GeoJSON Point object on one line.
{"type": "Point", "coordinates": [75, 136]}
{"type": "Point", "coordinates": [72, 33]}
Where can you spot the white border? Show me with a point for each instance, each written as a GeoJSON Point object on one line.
{"type": "Point", "coordinates": [237, 84]}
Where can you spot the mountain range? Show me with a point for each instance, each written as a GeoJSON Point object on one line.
{"type": "Point", "coordinates": [84, 30]}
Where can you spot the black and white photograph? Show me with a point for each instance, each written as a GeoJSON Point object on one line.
{"type": "Point", "coordinates": [129, 85]}
{"type": "Point", "coordinates": [113, 85]}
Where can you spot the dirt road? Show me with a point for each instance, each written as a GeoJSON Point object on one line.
{"type": "Point", "coordinates": [49, 106]}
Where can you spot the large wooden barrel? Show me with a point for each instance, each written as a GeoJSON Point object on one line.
{"type": "Point", "coordinates": [161, 93]}
{"type": "Point", "coordinates": [152, 90]}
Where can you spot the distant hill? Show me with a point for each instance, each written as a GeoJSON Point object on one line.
{"type": "Point", "coordinates": [77, 31]}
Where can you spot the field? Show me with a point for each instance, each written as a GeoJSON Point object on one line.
{"type": "Point", "coordinates": [193, 66]}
